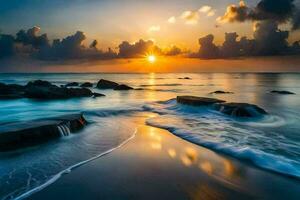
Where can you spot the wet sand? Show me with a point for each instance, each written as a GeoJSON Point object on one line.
{"type": "Point", "coordinates": [158, 165]}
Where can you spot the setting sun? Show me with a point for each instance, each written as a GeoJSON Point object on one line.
{"type": "Point", "coordinates": [151, 58]}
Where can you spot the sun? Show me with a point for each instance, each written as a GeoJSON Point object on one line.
{"type": "Point", "coordinates": [151, 58]}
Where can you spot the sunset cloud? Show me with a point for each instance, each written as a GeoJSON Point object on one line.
{"type": "Point", "coordinates": [172, 20]}
{"type": "Point", "coordinates": [154, 29]}
{"type": "Point", "coordinates": [190, 17]}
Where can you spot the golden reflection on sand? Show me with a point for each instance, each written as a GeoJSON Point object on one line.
{"type": "Point", "coordinates": [172, 153]}
{"type": "Point", "coordinates": [206, 167]}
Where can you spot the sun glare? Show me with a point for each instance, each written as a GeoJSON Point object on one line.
{"type": "Point", "coordinates": [151, 58]}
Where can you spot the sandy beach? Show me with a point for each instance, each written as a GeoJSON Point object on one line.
{"type": "Point", "coordinates": [155, 164]}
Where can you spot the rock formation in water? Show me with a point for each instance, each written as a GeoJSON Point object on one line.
{"type": "Point", "coordinates": [73, 84]}
{"type": "Point", "coordinates": [282, 92]}
{"type": "Point", "coordinates": [106, 84]}
{"type": "Point", "coordinates": [18, 135]}
{"type": "Point", "coordinates": [221, 92]}
{"type": "Point", "coordinates": [86, 84]}
{"type": "Point", "coordinates": [197, 101]}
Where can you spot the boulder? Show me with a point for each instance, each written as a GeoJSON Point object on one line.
{"type": "Point", "coordinates": [11, 91]}
{"type": "Point", "coordinates": [73, 84]}
{"type": "Point", "coordinates": [39, 83]}
{"type": "Point", "coordinates": [240, 109]}
{"type": "Point", "coordinates": [197, 101]}
{"type": "Point", "coordinates": [105, 84]}
{"type": "Point", "coordinates": [186, 78]}
{"type": "Point", "coordinates": [123, 87]}
{"type": "Point", "coordinates": [221, 92]}
{"type": "Point", "coordinates": [98, 95]}
{"type": "Point", "coordinates": [23, 134]}
{"type": "Point", "coordinates": [86, 84]}
{"type": "Point", "coordinates": [54, 92]}
{"type": "Point", "coordinates": [282, 92]}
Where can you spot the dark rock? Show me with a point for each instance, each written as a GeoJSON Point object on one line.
{"type": "Point", "coordinates": [73, 84]}
{"type": "Point", "coordinates": [18, 135]}
{"type": "Point", "coordinates": [197, 101]}
{"type": "Point", "coordinates": [240, 109]}
{"type": "Point", "coordinates": [282, 92]}
{"type": "Point", "coordinates": [86, 84]}
{"type": "Point", "coordinates": [39, 83]}
{"type": "Point", "coordinates": [98, 95]}
{"type": "Point", "coordinates": [54, 92]}
{"type": "Point", "coordinates": [123, 87]}
{"type": "Point", "coordinates": [186, 78]}
{"type": "Point", "coordinates": [105, 84]}
{"type": "Point", "coordinates": [11, 91]}
{"type": "Point", "coordinates": [221, 92]}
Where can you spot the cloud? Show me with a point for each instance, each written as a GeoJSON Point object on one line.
{"type": "Point", "coordinates": [173, 51]}
{"type": "Point", "coordinates": [154, 29]}
{"type": "Point", "coordinates": [205, 9]}
{"type": "Point", "coordinates": [172, 20]}
{"type": "Point", "coordinates": [190, 17]}
{"type": "Point", "coordinates": [31, 37]}
{"type": "Point", "coordinates": [280, 11]}
{"type": "Point", "coordinates": [268, 40]}
{"type": "Point", "coordinates": [138, 49]}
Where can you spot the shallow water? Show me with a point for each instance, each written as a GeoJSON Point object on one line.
{"type": "Point", "coordinates": [272, 142]}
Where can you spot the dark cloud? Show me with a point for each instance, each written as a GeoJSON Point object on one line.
{"type": "Point", "coordinates": [173, 51]}
{"type": "Point", "coordinates": [138, 49]}
{"type": "Point", "coordinates": [94, 44]}
{"type": "Point", "coordinates": [31, 37]}
{"type": "Point", "coordinates": [280, 11]}
{"type": "Point", "coordinates": [268, 40]}
{"type": "Point", "coordinates": [207, 47]}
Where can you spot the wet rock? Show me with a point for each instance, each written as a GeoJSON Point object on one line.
{"type": "Point", "coordinates": [123, 87]}
{"type": "Point", "coordinates": [11, 91]}
{"type": "Point", "coordinates": [86, 84]}
{"type": "Point", "coordinates": [221, 92]}
{"type": "Point", "coordinates": [98, 95]}
{"type": "Point", "coordinates": [282, 92]}
{"type": "Point", "coordinates": [186, 78]}
{"type": "Point", "coordinates": [39, 83]}
{"type": "Point", "coordinates": [105, 84]}
{"type": "Point", "coordinates": [54, 92]}
{"type": "Point", "coordinates": [197, 101]}
{"type": "Point", "coordinates": [240, 109]}
{"type": "Point", "coordinates": [73, 84]}
{"type": "Point", "coordinates": [18, 135]}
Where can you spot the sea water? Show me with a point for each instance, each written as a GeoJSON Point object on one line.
{"type": "Point", "coordinates": [271, 142]}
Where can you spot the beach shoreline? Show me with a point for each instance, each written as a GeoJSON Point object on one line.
{"type": "Point", "coordinates": [156, 164]}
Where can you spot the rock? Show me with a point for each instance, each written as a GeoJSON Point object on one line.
{"type": "Point", "coordinates": [54, 92]}
{"type": "Point", "coordinates": [39, 83]}
{"type": "Point", "coordinates": [86, 84]}
{"type": "Point", "coordinates": [221, 92]}
{"type": "Point", "coordinates": [98, 95]}
{"type": "Point", "coordinates": [123, 87]}
{"type": "Point", "coordinates": [240, 109]}
{"type": "Point", "coordinates": [105, 84]}
{"type": "Point", "coordinates": [282, 92]}
{"type": "Point", "coordinates": [197, 101]}
{"type": "Point", "coordinates": [186, 78]}
{"type": "Point", "coordinates": [73, 84]}
{"type": "Point", "coordinates": [23, 134]}
{"type": "Point", "coordinates": [11, 91]}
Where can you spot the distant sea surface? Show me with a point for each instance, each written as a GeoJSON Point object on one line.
{"type": "Point", "coordinates": [272, 143]}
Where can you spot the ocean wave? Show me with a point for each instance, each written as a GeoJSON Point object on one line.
{"type": "Point", "coordinates": [255, 140]}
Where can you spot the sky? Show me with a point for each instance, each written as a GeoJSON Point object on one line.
{"type": "Point", "coordinates": [184, 24]}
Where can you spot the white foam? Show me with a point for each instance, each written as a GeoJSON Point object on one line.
{"type": "Point", "coordinates": [68, 170]}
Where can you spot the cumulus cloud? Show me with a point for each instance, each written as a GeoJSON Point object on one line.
{"type": "Point", "coordinates": [154, 29]}
{"type": "Point", "coordinates": [280, 11]}
{"type": "Point", "coordinates": [207, 10]}
{"type": "Point", "coordinates": [173, 51]}
{"type": "Point", "coordinates": [190, 17]}
{"type": "Point", "coordinates": [268, 40]}
{"type": "Point", "coordinates": [172, 20]}
{"type": "Point", "coordinates": [31, 37]}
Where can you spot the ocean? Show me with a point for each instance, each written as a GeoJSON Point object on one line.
{"type": "Point", "coordinates": [271, 142]}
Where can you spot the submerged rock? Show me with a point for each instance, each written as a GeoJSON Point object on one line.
{"type": "Point", "coordinates": [186, 78]}
{"type": "Point", "coordinates": [197, 101]}
{"type": "Point", "coordinates": [86, 84]}
{"type": "Point", "coordinates": [98, 95]}
{"type": "Point", "coordinates": [240, 109]}
{"type": "Point", "coordinates": [105, 84]}
{"type": "Point", "coordinates": [221, 92]}
{"type": "Point", "coordinates": [123, 87]}
{"type": "Point", "coordinates": [282, 92]}
{"type": "Point", "coordinates": [73, 84]}
{"type": "Point", "coordinates": [18, 135]}
{"type": "Point", "coordinates": [11, 91]}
